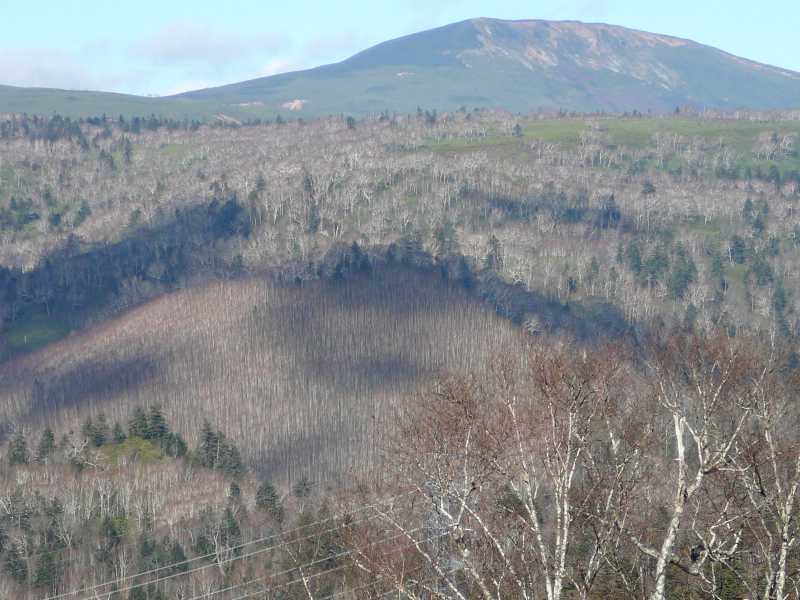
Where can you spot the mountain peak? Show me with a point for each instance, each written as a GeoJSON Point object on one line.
{"type": "Point", "coordinates": [521, 66]}
{"type": "Point", "coordinates": [525, 65]}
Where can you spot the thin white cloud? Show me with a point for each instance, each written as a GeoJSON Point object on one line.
{"type": "Point", "coordinates": [202, 44]}
{"type": "Point", "coordinates": [330, 47]}
{"type": "Point", "coordinates": [279, 65]}
{"type": "Point", "coordinates": [188, 86]}
{"type": "Point", "coordinates": [40, 67]}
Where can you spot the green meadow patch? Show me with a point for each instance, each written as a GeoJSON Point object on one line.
{"type": "Point", "coordinates": [34, 332]}
{"type": "Point", "coordinates": [133, 448]}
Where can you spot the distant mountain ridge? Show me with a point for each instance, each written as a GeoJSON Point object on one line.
{"type": "Point", "coordinates": [524, 66]}
{"type": "Point", "coordinates": [517, 65]}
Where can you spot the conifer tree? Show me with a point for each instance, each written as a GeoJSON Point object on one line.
{"type": "Point", "coordinates": [46, 570]}
{"type": "Point", "coordinates": [87, 430]}
{"type": "Point", "coordinates": [100, 434]}
{"type": "Point", "coordinates": [173, 445]}
{"type": "Point", "coordinates": [494, 255]}
{"type": "Point", "coordinates": [230, 531]}
{"type": "Point", "coordinates": [15, 565]}
{"type": "Point", "coordinates": [208, 452]}
{"type": "Point", "coordinates": [158, 425]}
{"type": "Point", "coordinates": [177, 558]}
{"type": "Point", "coordinates": [230, 460]}
{"type": "Point", "coordinates": [18, 449]}
{"type": "Point", "coordinates": [302, 489]}
{"type": "Point", "coordinates": [268, 500]}
{"type": "Point", "coordinates": [138, 424]}
{"type": "Point", "coordinates": [445, 241]}
{"type": "Point", "coordinates": [234, 491]}
{"type": "Point", "coordinates": [47, 445]}
{"type": "Point", "coordinates": [119, 434]}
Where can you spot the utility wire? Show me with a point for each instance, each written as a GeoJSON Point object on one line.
{"type": "Point", "coordinates": [300, 580]}
{"type": "Point", "coordinates": [214, 554]}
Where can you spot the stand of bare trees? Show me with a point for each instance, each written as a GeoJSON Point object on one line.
{"type": "Point", "coordinates": [593, 473]}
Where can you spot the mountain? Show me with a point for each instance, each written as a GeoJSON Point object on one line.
{"type": "Point", "coordinates": [522, 66]}
{"type": "Point", "coordinates": [79, 103]}
{"type": "Point", "coordinates": [517, 65]}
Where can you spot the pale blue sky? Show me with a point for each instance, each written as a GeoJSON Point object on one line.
{"type": "Point", "coordinates": [165, 46]}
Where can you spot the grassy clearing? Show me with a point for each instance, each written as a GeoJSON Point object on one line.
{"type": "Point", "coordinates": [461, 145]}
{"type": "Point", "coordinates": [699, 226]}
{"type": "Point", "coordinates": [560, 131]}
{"type": "Point", "coordinates": [35, 332]}
{"type": "Point", "coordinates": [174, 150]}
{"type": "Point", "coordinates": [638, 132]}
{"type": "Point", "coordinates": [134, 448]}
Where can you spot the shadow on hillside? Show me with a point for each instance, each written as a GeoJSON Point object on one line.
{"type": "Point", "coordinates": [92, 382]}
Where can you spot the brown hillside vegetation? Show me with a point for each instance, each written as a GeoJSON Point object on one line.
{"type": "Point", "coordinates": [305, 378]}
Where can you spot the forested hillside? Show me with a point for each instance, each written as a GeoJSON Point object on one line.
{"type": "Point", "coordinates": [658, 216]}
{"type": "Point", "coordinates": [566, 337]}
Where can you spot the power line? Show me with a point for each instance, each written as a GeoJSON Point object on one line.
{"type": "Point", "coordinates": [300, 567]}
{"type": "Point", "coordinates": [367, 585]}
{"type": "Point", "coordinates": [233, 548]}
{"type": "Point", "coordinates": [302, 579]}
{"type": "Point", "coordinates": [384, 594]}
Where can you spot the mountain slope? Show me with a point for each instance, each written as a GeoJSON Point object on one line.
{"type": "Point", "coordinates": [522, 66]}
{"type": "Point", "coordinates": [79, 103]}
{"type": "Point", "coordinates": [517, 65]}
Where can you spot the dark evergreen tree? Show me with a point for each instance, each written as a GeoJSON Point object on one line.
{"type": "Point", "coordinates": [774, 246]}
{"type": "Point", "coordinates": [261, 183]}
{"type": "Point", "coordinates": [359, 259]}
{"type": "Point", "coordinates": [234, 491]}
{"type": "Point", "coordinates": [138, 424]}
{"type": "Point", "coordinates": [739, 250]}
{"type": "Point", "coordinates": [761, 270]}
{"type": "Point", "coordinates": [445, 242]}
{"type": "Point", "coordinates": [139, 593]}
{"type": "Point", "coordinates": [118, 434]}
{"type": "Point", "coordinates": [84, 212]}
{"type": "Point", "coordinates": [158, 425]}
{"type": "Point", "coordinates": [780, 299]}
{"type": "Point", "coordinates": [268, 500]}
{"type": "Point", "coordinates": [633, 258]}
{"type": "Point", "coordinates": [173, 445]}
{"type": "Point", "coordinates": [748, 211]}
{"type": "Point", "coordinates": [494, 255]}
{"type": "Point", "coordinates": [230, 532]}
{"type": "Point", "coordinates": [47, 445]}
{"type": "Point", "coordinates": [18, 449]}
{"type": "Point", "coordinates": [302, 488]}
{"type": "Point", "coordinates": [46, 573]}
{"type": "Point", "coordinates": [208, 451]}
{"type": "Point", "coordinates": [684, 273]}
{"type": "Point", "coordinates": [203, 542]}
{"type": "Point", "coordinates": [15, 564]}
{"type": "Point", "coordinates": [314, 220]}
{"type": "Point", "coordinates": [465, 277]}
{"type": "Point", "coordinates": [100, 434]}
{"type": "Point", "coordinates": [177, 558]}
{"type": "Point", "coordinates": [230, 459]}
{"type": "Point", "coordinates": [87, 429]}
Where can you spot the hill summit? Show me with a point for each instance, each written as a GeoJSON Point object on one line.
{"type": "Point", "coordinates": [523, 66]}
